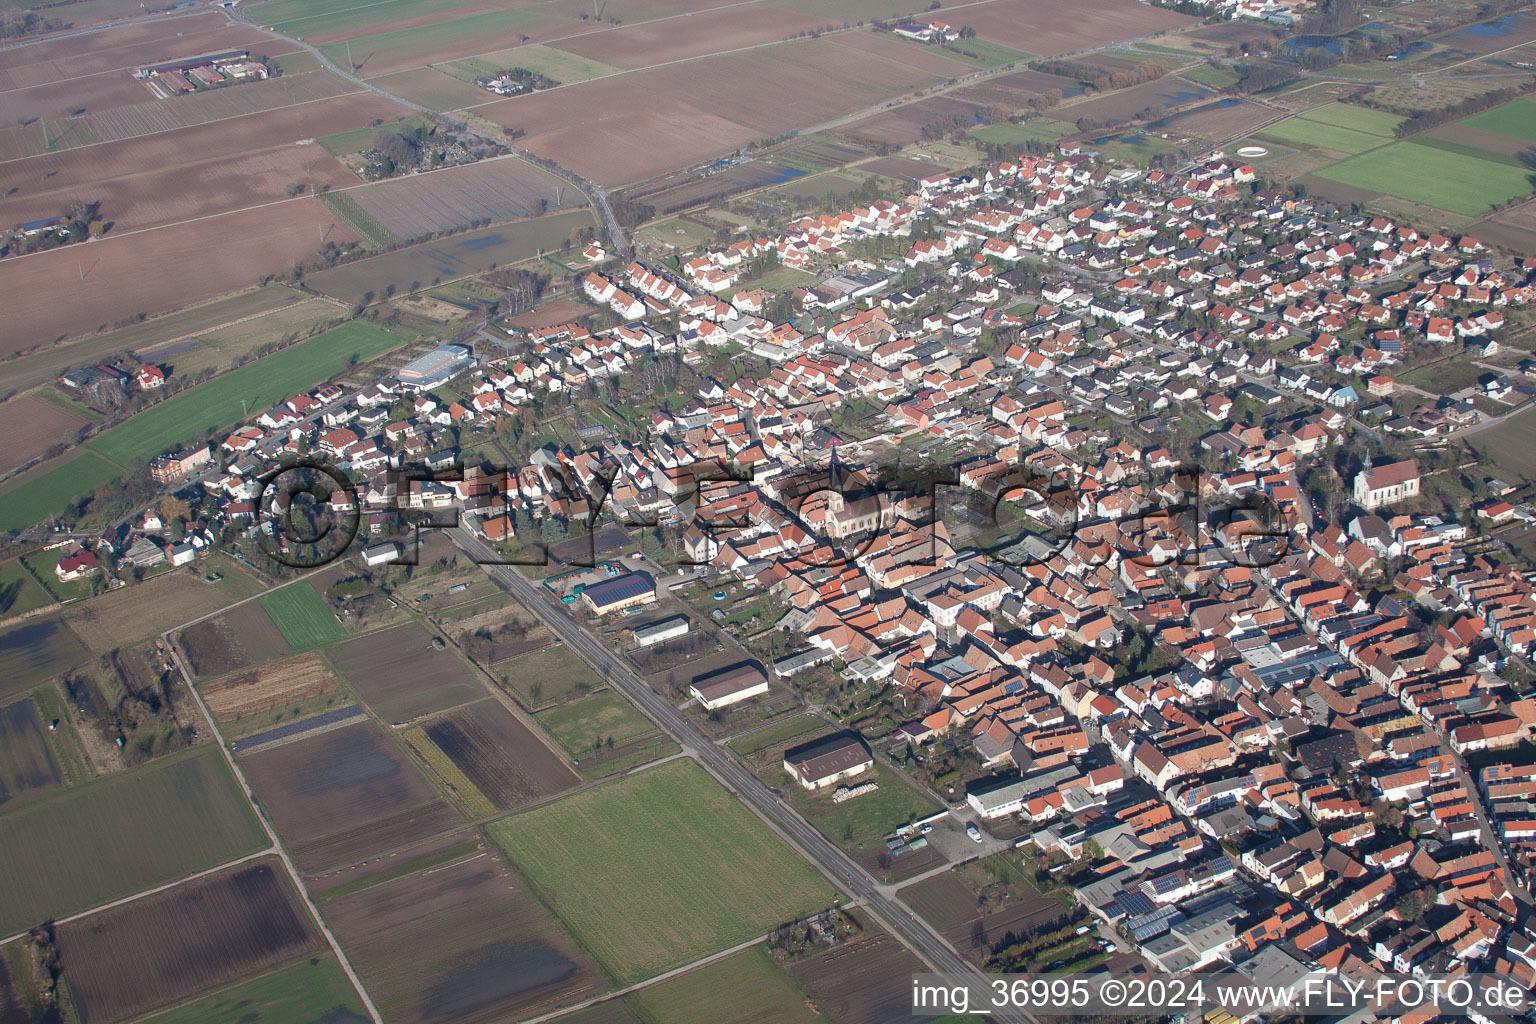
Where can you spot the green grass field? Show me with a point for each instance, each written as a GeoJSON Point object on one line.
{"type": "Point", "coordinates": [599, 716]}
{"type": "Point", "coordinates": [565, 68]}
{"type": "Point", "coordinates": [863, 820]}
{"type": "Point", "coordinates": [981, 53]}
{"type": "Point", "coordinates": [1325, 136]}
{"type": "Point", "coordinates": [1216, 78]}
{"type": "Point", "coordinates": [1517, 119]}
{"type": "Point", "coordinates": [659, 869]}
{"type": "Point", "coordinates": [747, 988]}
{"type": "Point", "coordinates": [355, 140]}
{"type": "Point", "coordinates": [348, 17]}
{"type": "Point", "coordinates": [19, 592]}
{"type": "Point", "coordinates": [302, 616]}
{"type": "Point", "coordinates": [469, 32]}
{"type": "Point", "coordinates": [1434, 177]}
{"type": "Point", "coordinates": [1509, 448]}
{"type": "Point", "coordinates": [256, 386]}
{"type": "Point", "coordinates": [1039, 129]}
{"type": "Point", "coordinates": [220, 349]}
{"type": "Point", "coordinates": [311, 990]}
{"type": "Point", "coordinates": [543, 677]}
{"type": "Point", "coordinates": [121, 834]}
{"type": "Point", "coordinates": [779, 734]}
{"type": "Point", "coordinates": [44, 491]}
{"type": "Point", "coordinates": [1359, 119]}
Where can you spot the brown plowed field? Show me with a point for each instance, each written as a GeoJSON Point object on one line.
{"type": "Point", "coordinates": [271, 687]}
{"type": "Point", "coordinates": [250, 133]}
{"type": "Point", "coordinates": [239, 639]}
{"type": "Point", "coordinates": [904, 125]}
{"type": "Point", "coordinates": [31, 426]}
{"type": "Point", "coordinates": [156, 271]}
{"type": "Point", "coordinates": [1222, 122]}
{"type": "Point", "coordinates": [650, 43]}
{"type": "Point", "coordinates": [402, 676]}
{"type": "Point", "coordinates": [500, 755]}
{"type": "Point", "coordinates": [607, 129]}
{"type": "Point", "coordinates": [926, 60]}
{"type": "Point", "coordinates": [195, 938]}
{"type": "Point", "coordinates": [215, 106]}
{"type": "Point", "coordinates": [343, 795]}
{"type": "Point", "coordinates": [169, 194]}
{"type": "Point", "coordinates": [1056, 26]}
{"type": "Point", "coordinates": [162, 603]}
{"type": "Point", "coordinates": [463, 943]}
{"type": "Point", "coordinates": [866, 981]}
{"type": "Point", "coordinates": [557, 312]}
{"type": "Point", "coordinates": [58, 60]}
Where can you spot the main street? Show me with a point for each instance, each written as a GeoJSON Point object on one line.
{"type": "Point", "coordinates": [854, 880]}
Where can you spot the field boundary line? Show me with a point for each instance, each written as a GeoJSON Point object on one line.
{"type": "Point", "coordinates": [654, 980]}
{"type": "Point", "coordinates": [277, 846]}
{"type": "Point", "coordinates": [144, 894]}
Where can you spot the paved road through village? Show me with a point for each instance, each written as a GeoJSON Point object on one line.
{"type": "Point", "coordinates": [855, 882]}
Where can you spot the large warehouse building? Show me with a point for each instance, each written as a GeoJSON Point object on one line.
{"type": "Point", "coordinates": [435, 368]}
{"type": "Point", "coordinates": [614, 595]}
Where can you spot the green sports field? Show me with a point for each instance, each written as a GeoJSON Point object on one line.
{"type": "Point", "coordinates": [659, 869]}
{"type": "Point", "coordinates": [223, 401]}
{"type": "Point", "coordinates": [313, 989]}
{"type": "Point", "coordinates": [1517, 119]}
{"type": "Point", "coordinates": [302, 617]}
{"type": "Point", "coordinates": [1432, 176]}
{"type": "Point", "coordinates": [45, 491]}
{"type": "Point", "coordinates": [121, 834]}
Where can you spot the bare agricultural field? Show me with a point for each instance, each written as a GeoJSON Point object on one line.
{"type": "Point", "coordinates": [238, 639]}
{"type": "Point", "coordinates": [903, 125]}
{"type": "Point", "coordinates": [1514, 229]}
{"type": "Point", "coordinates": [464, 943]}
{"type": "Point", "coordinates": [452, 199]}
{"type": "Point", "coordinates": [274, 686]}
{"type": "Point", "coordinates": [433, 88]}
{"type": "Point", "coordinates": [1057, 26]}
{"type": "Point", "coordinates": [194, 938]}
{"type": "Point", "coordinates": [500, 755]}
{"type": "Point", "coordinates": [165, 176]}
{"type": "Point", "coordinates": [344, 794]}
{"type": "Point", "coordinates": [35, 650]}
{"type": "Point", "coordinates": [213, 106]}
{"type": "Point", "coordinates": [31, 426]}
{"type": "Point", "coordinates": [27, 768]}
{"type": "Point", "coordinates": [115, 285]}
{"type": "Point", "coordinates": [557, 312]}
{"type": "Point", "coordinates": [1222, 120]}
{"type": "Point", "coordinates": [56, 62]}
{"type": "Point", "coordinates": [862, 982]}
{"type": "Point", "coordinates": [703, 107]}
{"type": "Point", "coordinates": [658, 42]}
{"type": "Point", "coordinates": [132, 613]}
{"type": "Point", "coordinates": [1160, 95]}
{"type": "Point", "coordinates": [402, 675]}
{"type": "Point", "coordinates": [926, 59]}
{"type": "Point", "coordinates": [42, 364]}
{"type": "Point", "coordinates": [470, 253]}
